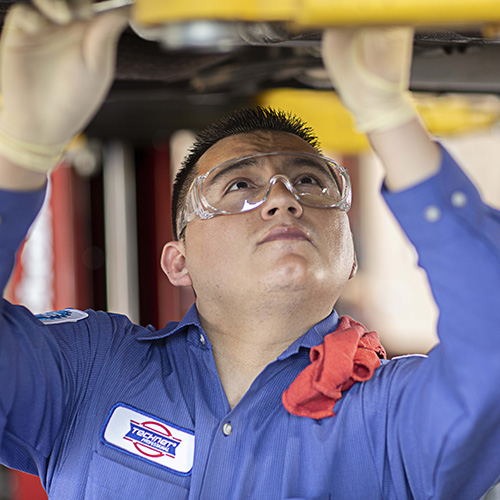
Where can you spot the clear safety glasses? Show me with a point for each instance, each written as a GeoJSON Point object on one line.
{"type": "Point", "coordinates": [244, 183]}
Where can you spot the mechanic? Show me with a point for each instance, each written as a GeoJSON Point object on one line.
{"type": "Point", "coordinates": [261, 391]}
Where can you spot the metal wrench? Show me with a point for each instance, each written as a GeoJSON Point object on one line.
{"type": "Point", "coordinates": [106, 5]}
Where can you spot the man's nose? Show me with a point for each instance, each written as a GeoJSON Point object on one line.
{"type": "Point", "coordinates": [280, 199]}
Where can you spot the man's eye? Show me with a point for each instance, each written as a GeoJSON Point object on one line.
{"type": "Point", "coordinates": [307, 179]}
{"type": "Point", "coordinates": [237, 185]}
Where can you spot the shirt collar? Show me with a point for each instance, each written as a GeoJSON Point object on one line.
{"type": "Point", "coordinates": [314, 336]}
{"type": "Point", "coordinates": [190, 319]}
{"type": "Point", "coordinates": [311, 338]}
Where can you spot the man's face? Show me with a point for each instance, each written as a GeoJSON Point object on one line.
{"type": "Point", "coordinates": [280, 247]}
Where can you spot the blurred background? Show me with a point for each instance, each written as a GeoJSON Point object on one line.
{"type": "Point", "coordinates": [98, 240]}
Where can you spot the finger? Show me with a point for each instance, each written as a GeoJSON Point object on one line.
{"type": "Point", "coordinates": [387, 51]}
{"type": "Point", "coordinates": [336, 40]}
{"type": "Point", "coordinates": [58, 11]}
{"type": "Point", "coordinates": [23, 18]}
{"type": "Point", "coordinates": [102, 37]}
{"type": "Point", "coordinates": [81, 9]}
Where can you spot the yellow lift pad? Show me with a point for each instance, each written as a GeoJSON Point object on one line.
{"type": "Point", "coordinates": [334, 125]}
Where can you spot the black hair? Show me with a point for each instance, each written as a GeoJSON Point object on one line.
{"type": "Point", "coordinates": [242, 121]}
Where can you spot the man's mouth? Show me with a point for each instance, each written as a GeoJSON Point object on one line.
{"type": "Point", "coordinates": [285, 233]}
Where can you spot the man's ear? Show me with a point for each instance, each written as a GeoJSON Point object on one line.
{"type": "Point", "coordinates": [173, 263]}
{"type": "Point", "coordinates": [354, 268]}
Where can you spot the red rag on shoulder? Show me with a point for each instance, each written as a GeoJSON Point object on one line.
{"type": "Point", "coordinates": [348, 355]}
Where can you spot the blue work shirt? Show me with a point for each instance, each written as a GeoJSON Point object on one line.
{"type": "Point", "coordinates": [101, 408]}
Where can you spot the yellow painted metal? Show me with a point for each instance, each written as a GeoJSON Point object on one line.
{"type": "Point", "coordinates": [458, 114]}
{"type": "Point", "coordinates": [322, 111]}
{"type": "Point", "coordinates": [390, 12]}
{"type": "Point", "coordinates": [321, 13]}
{"type": "Point", "coordinates": [334, 125]}
{"type": "Point", "coordinates": [161, 11]}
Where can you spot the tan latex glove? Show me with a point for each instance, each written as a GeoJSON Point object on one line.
{"type": "Point", "coordinates": [64, 11]}
{"type": "Point", "coordinates": [53, 78]}
{"type": "Point", "coordinates": [370, 69]}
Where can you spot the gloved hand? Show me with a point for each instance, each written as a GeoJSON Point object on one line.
{"type": "Point", "coordinates": [53, 79]}
{"type": "Point", "coordinates": [370, 69]}
{"type": "Point", "coordinates": [64, 11]}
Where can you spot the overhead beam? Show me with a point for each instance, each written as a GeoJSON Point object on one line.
{"type": "Point", "coordinates": [321, 13]}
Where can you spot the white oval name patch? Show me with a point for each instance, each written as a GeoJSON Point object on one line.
{"type": "Point", "coordinates": [149, 438]}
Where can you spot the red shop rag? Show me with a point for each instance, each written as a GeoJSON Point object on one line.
{"type": "Point", "coordinates": [348, 355]}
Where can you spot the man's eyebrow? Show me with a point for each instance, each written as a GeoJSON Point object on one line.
{"type": "Point", "coordinates": [237, 165]}
{"type": "Point", "coordinates": [315, 163]}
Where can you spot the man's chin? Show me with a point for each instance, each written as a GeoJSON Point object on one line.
{"type": "Point", "coordinates": [289, 277]}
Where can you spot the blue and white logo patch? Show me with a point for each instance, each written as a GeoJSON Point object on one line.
{"type": "Point", "coordinates": [63, 316]}
{"type": "Point", "coordinates": [149, 438]}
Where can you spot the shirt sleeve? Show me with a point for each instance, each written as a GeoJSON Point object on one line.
{"type": "Point", "coordinates": [17, 212]}
{"type": "Point", "coordinates": [443, 427]}
{"type": "Point", "coordinates": [46, 371]}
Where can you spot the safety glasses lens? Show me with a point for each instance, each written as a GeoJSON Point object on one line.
{"type": "Point", "coordinates": [241, 184]}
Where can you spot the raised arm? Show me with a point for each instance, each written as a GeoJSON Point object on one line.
{"type": "Point", "coordinates": [441, 415]}
{"type": "Point", "coordinates": [53, 77]}
{"type": "Point", "coordinates": [370, 70]}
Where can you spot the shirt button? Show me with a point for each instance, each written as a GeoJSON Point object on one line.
{"type": "Point", "coordinates": [459, 199]}
{"type": "Point", "coordinates": [227, 428]}
{"type": "Point", "coordinates": [202, 339]}
{"type": "Point", "coordinates": [432, 213]}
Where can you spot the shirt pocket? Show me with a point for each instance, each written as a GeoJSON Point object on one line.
{"type": "Point", "coordinates": [109, 480]}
